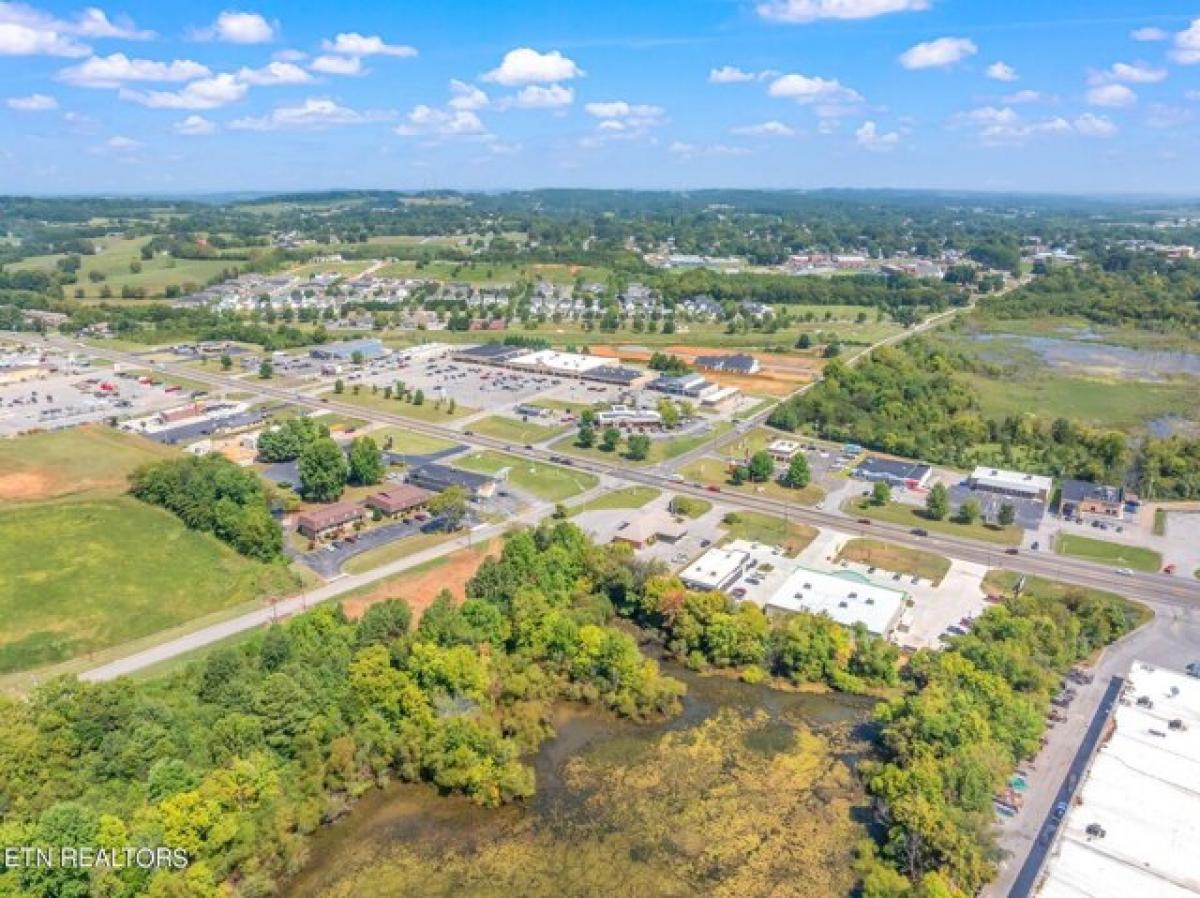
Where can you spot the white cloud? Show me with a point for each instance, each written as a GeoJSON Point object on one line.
{"type": "Point", "coordinates": [274, 73]}
{"type": "Point", "coordinates": [338, 65]}
{"type": "Point", "coordinates": [938, 53]}
{"type": "Point", "coordinates": [804, 90]}
{"type": "Point", "coordinates": [1092, 125]}
{"type": "Point", "coordinates": [290, 55]}
{"type": "Point", "coordinates": [428, 121]}
{"type": "Point", "coordinates": [1163, 115]}
{"type": "Point", "coordinates": [799, 12]}
{"type": "Point", "coordinates": [120, 146]}
{"type": "Point", "coordinates": [315, 113]}
{"type": "Point", "coordinates": [1025, 96]}
{"type": "Point", "coordinates": [466, 96]}
{"type": "Point", "coordinates": [535, 97]}
{"type": "Point", "coordinates": [869, 137]}
{"type": "Point", "coordinates": [619, 120]}
{"type": "Point", "coordinates": [1111, 95]}
{"type": "Point", "coordinates": [730, 74]}
{"type": "Point", "coordinates": [32, 103]}
{"type": "Point", "coordinates": [1148, 34]}
{"type": "Point", "coordinates": [527, 66]}
{"type": "Point", "coordinates": [351, 43]}
{"type": "Point", "coordinates": [766, 129]}
{"type": "Point", "coordinates": [208, 93]}
{"type": "Point", "coordinates": [26, 31]}
{"type": "Point", "coordinates": [234, 27]}
{"type": "Point", "coordinates": [114, 70]}
{"type": "Point", "coordinates": [194, 126]}
{"type": "Point", "coordinates": [691, 151]}
{"type": "Point", "coordinates": [1187, 45]}
{"type": "Point", "coordinates": [1128, 73]}
{"type": "Point", "coordinates": [1001, 71]}
{"type": "Point", "coordinates": [93, 22]}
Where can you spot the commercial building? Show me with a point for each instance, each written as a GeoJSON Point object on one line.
{"type": "Point", "coordinates": [740, 363]}
{"type": "Point", "coordinates": [548, 361]}
{"type": "Point", "coordinates": [894, 472]}
{"type": "Point", "coordinates": [442, 477]}
{"type": "Point", "coordinates": [846, 597]}
{"type": "Point", "coordinates": [1011, 483]}
{"type": "Point", "coordinates": [398, 499]}
{"type": "Point", "coordinates": [488, 353]}
{"type": "Point", "coordinates": [628, 416]}
{"type": "Point", "coordinates": [715, 569]}
{"type": "Point", "coordinates": [369, 347]}
{"type": "Point", "coordinates": [1082, 499]}
{"type": "Point", "coordinates": [328, 520]}
{"type": "Point", "coordinates": [691, 386]}
{"type": "Point", "coordinates": [563, 364]}
{"type": "Point", "coordinates": [650, 528]}
{"type": "Point", "coordinates": [783, 450]}
{"type": "Point", "coordinates": [1132, 829]}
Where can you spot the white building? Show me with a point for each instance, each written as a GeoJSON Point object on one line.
{"type": "Point", "coordinates": [565, 363]}
{"type": "Point", "coordinates": [783, 450]}
{"type": "Point", "coordinates": [715, 569]}
{"type": "Point", "coordinates": [846, 598]}
{"type": "Point", "coordinates": [1011, 483]}
{"type": "Point", "coordinates": [1134, 826]}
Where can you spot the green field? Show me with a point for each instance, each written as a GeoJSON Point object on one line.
{"type": "Point", "coordinates": [770, 530]}
{"type": "Point", "coordinates": [550, 482]}
{"type": "Point", "coordinates": [1105, 552]}
{"type": "Point", "coordinates": [690, 506]}
{"type": "Point", "coordinates": [909, 516]}
{"type": "Point", "coordinates": [80, 576]}
{"type": "Point", "coordinates": [626, 497]}
{"type": "Point", "coordinates": [661, 450]}
{"type": "Point", "coordinates": [898, 559]}
{"type": "Point", "coordinates": [495, 273]}
{"type": "Point", "coordinates": [715, 472]}
{"type": "Point", "coordinates": [409, 442]}
{"type": "Point", "coordinates": [428, 411]}
{"type": "Point", "coordinates": [515, 431]}
{"type": "Point", "coordinates": [394, 551]}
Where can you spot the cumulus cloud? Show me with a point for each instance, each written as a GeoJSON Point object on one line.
{"type": "Point", "coordinates": [1025, 96]}
{"type": "Point", "coordinates": [800, 12]}
{"type": "Point", "coordinates": [938, 53]}
{"type": "Point", "coordinates": [730, 74]}
{"type": "Point", "coordinates": [804, 89]}
{"type": "Point", "coordinates": [1111, 95]}
{"type": "Point", "coordinates": [352, 43]}
{"type": "Point", "coordinates": [207, 93]}
{"type": "Point", "coordinates": [765, 129]}
{"type": "Point", "coordinates": [114, 70]}
{"type": "Point", "coordinates": [527, 66]}
{"type": "Point", "coordinates": [26, 31]}
{"type": "Point", "coordinates": [32, 103]}
{"type": "Point", "coordinates": [120, 146]}
{"type": "Point", "coordinates": [315, 113]}
{"type": "Point", "coordinates": [999, 126]}
{"type": "Point", "coordinates": [94, 22]}
{"type": "Point", "coordinates": [194, 126]}
{"type": "Point", "coordinates": [1128, 73]}
{"type": "Point", "coordinates": [1091, 125]}
{"type": "Point", "coordinates": [233, 27]}
{"type": "Point", "coordinates": [1186, 49]}
{"type": "Point", "coordinates": [1149, 34]}
{"type": "Point", "coordinates": [338, 65]}
{"type": "Point", "coordinates": [1001, 71]}
{"type": "Point", "coordinates": [274, 73]}
{"type": "Point", "coordinates": [466, 96]}
{"type": "Point", "coordinates": [429, 121]}
{"type": "Point", "coordinates": [869, 137]}
{"type": "Point", "coordinates": [533, 96]}
{"type": "Point", "coordinates": [619, 120]}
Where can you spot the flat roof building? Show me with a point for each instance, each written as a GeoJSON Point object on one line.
{"type": "Point", "coordinates": [627, 416]}
{"type": "Point", "coordinates": [693, 386]}
{"type": "Point", "coordinates": [1011, 483]}
{"type": "Point", "coordinates": [715, 569]}
{"type": "Point", "coordinates": [490, 353]}
{"type": "Point", "coordinates": [739, 363]}
{"type": "Point", "coordinates": [564, 363]}
{"type": "Point", "coordinates": [894, 472]}
{"type": "Point", "coordinates": [846, 597]}
{"type": "Point", "coordinates": [1133, 827]}
{"type": "Point", "coordinates": [1079, 497]}
{"type": "Point", "coordinates": [442, 477]}
{"type": "Point", "coordinates": [344, 352]}
{"type": "Point", "coordinates": [783, 450]}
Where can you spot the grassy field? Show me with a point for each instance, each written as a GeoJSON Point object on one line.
{"type": "Point", "coordinates": [690, 506]}
{"type": "Point", "coordinates": [1105, 552]}
{"type": "Point", "coordinates": [550, 482]}
{"type": "Point", "coordinates": [1003, 583]}
{"type": "Point", "coordinates": [660, 450]}
{"type": "Point", "coordinates": [494, 273]}
{"type": "Point", "coordinates": [515, 431]}
{"type": "Point", "coordinates": [428, 411]}
{"type": "Point", "coordinates": [85, 575]}
{"type": "Point", "coordinates": [908, 516]}
{"type": "Point", "coordinates": [408, 442]}
{"type": "Point", "coordinates": [627, 497]}
{"type": "Point", "coordinates": [394, 551]}
{"type": "Point", "coordinates": [898, 559]}
{"type": "Point", "coordinates": [713, 471]}
{"type": "Point", "coordinates": [770, 530]}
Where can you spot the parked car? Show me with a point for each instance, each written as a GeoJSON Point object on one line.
{"type": "Point", "coordinates": [1125, 572]}
{"type": "Point", "coordinates": [1012, 551]}
{"type": "Point", "coordinates": [919, 531]}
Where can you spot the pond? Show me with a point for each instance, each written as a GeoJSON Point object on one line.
{"type": "Point", "coordinates": [750, 791]}
{"type": "Point", "coordinates": [1087, 356]}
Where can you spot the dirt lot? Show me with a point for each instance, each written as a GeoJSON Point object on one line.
{"type": "Point", "coordinates": [778, 378]}
{"type": "Point", "coordinates": [420, 588]}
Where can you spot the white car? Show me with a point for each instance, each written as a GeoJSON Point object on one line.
{"type": "Point", "coordinates": [1125, 572]}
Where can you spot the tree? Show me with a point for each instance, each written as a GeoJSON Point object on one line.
{"type": "Point", "coordinates": [323, 471]}
{"type": "Point", "coordinates": [669, 412]}
{"type": "Point", "coordinates": [587, 437]}
{"type": "Point", "coordinates": [339, 387]}
{"type": "Point", "coordinates": [937, 503]}
{"type": "Point", "coordinates": [804, 342]}
{"type": "Point", "coordinates": [450, 505]}
{"type": "Point", "coordinates": [761, 466]}
{"type": "Point", "coordinates": [610, 439]}
{"type": "Point", "coordinates": [365, 462]}
{"type": "Point", "coordinates": [1007, 514]}
{"type": "Point", "coordinates": [419, 397]}
{"type": "Point", "coordinates": [638, 447]}
{"type": "Point", "coordinates": [969, 511]}
{"type": "Point", "coordinates": [798, 474]}
{"type": "Point", "coordinates": [226, 362]}
{"type": "Point", "coordinates": [881, 493]}
{"type": "Point", "coordinates": [356, 357]}
{"type": "Point", "coordinates": [265, 369]}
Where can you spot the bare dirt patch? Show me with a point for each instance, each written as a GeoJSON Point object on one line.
{"type": "Point", "coordinates": [26, 486]}
{"type": "Point", "coordinates": [421, 588]}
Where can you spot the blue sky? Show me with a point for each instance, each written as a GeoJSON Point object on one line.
{"type": "Point", "coordinates": [1072, 96]}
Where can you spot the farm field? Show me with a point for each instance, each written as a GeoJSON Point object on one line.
{"type": "Point", "coordinates": [1105, 552]}
{"type": "Point", "coordinates": [503, 428]}
{"type": "Point", "coordinates": [897, 559]}
{"type": "Point", "coordinates": [549, 482]}
{"type": "Point", "coordinates": [755, 526]}
{"type": "Point", "coordinates": [909, 516]}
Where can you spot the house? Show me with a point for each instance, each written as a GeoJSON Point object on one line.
{"type": "Point", "coordinates": [398, 499]}
{"type": "Point", "coordinates": [1080, 498]}
{"type": "Point", "coordinates": [894, 472]}
{"type": "Point", "coordinates": [715, 569]}
{"type": "Point", "coordinates": [328, 520]}
{"type": "Point", "coordinates": [740, 363]}
{"type": "Point", "coordinates": [442, 477]}
{"type": "Point", "coordinates": [650, 528]}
